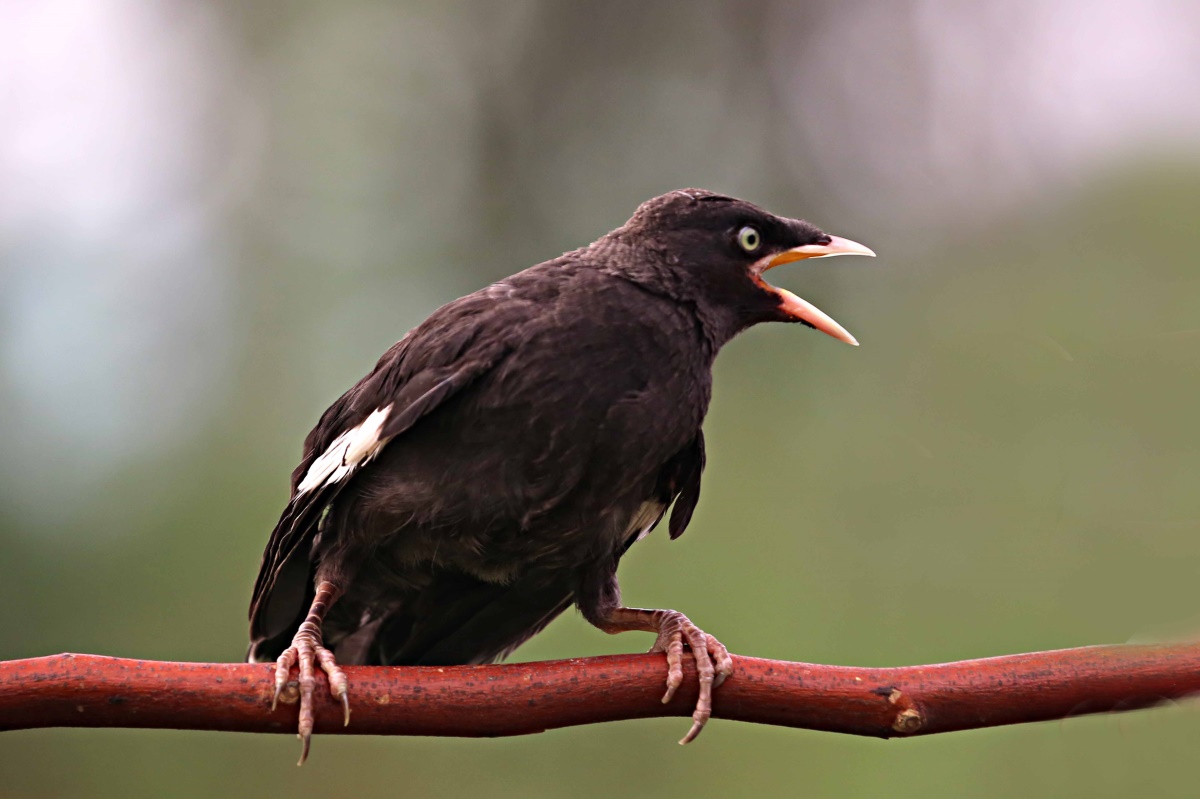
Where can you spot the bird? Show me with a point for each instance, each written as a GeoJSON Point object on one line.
{"type": "Point", "coordinates": [498, 462]}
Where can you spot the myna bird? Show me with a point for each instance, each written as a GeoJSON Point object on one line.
{"type": "Point", "coordinates": [502, 457]}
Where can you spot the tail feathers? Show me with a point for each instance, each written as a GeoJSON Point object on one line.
{"type": "Point", "coordinates": [281, 611]}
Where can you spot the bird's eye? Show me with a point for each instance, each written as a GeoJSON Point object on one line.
{"type": "Point", "coordinates": [749, 239]}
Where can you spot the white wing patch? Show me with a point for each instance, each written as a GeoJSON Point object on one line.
{"type": "Point", "coordinates": [353, 448]}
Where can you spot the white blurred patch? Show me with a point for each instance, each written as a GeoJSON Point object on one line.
{"type": "Point", "coordinates": [120, 147]}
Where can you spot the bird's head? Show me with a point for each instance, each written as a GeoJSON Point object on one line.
{"type": "Point", "coordinates": [712, 250]}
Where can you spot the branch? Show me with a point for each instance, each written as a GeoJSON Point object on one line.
{"type": "Point", "coordinates": [521, 698]}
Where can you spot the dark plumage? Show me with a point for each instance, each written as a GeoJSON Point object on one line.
{"type": "Point", "coordinates": [501, 458]}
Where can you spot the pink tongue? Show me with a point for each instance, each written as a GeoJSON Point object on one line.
{"type": "Point", "coordinates": [805, 310]}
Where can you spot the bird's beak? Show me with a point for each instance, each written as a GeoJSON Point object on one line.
{"type": "Point", "coordinates": [801, 309]}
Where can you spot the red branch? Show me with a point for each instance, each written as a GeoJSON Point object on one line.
{"type": "Point", "coordinates": [94, 691]}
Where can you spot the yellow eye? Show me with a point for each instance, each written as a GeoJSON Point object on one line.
{"type": "Point", "coordinates": [749, 239]}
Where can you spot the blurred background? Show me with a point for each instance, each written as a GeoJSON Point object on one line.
{"type": "Point", "coordinates": [215, 216]}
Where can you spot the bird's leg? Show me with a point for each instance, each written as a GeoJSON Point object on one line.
{"type": "Point", "coordinates": [713, 663]}
{"type": "Point", "coordinates": [308, 650]}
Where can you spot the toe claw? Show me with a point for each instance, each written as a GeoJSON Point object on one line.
{"type": "Point", "coordinates": [722, 662]}
{"type": "Point", "coordinates": [283, 668]}
{"type": "Point", "coordinates": [697, 726]}
{"type": "Point", "coordinates": [345, 697]}
{"type": "Point", "coordinates": [674, 680]}
{"type": "Point", "coordinates": [305, 740]}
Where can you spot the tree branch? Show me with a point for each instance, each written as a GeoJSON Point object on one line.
{"type": "Point", "coordinates": [521, 698]}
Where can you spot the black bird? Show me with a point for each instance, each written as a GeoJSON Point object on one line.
{"type": "Point", "coordinates": [502, 457]}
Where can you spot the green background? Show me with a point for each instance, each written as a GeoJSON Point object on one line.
{"type": "Point", "coordinates": [1008, 463]}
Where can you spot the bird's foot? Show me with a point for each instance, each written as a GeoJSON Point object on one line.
{"type": "Point", "coordinates": [308, 651]}
{"type": "Point", "coordinates": [713, 663]}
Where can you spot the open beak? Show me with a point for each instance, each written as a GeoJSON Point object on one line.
{"type": "Point", "coordinates": [801, 309]}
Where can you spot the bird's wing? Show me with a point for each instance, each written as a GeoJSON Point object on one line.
{"type": "Point", "coordinates": [430, 365]}
{"type": "Point", "coordinates": [678, 484]}
{"type": "Point", "coordinates": [683, 476]}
